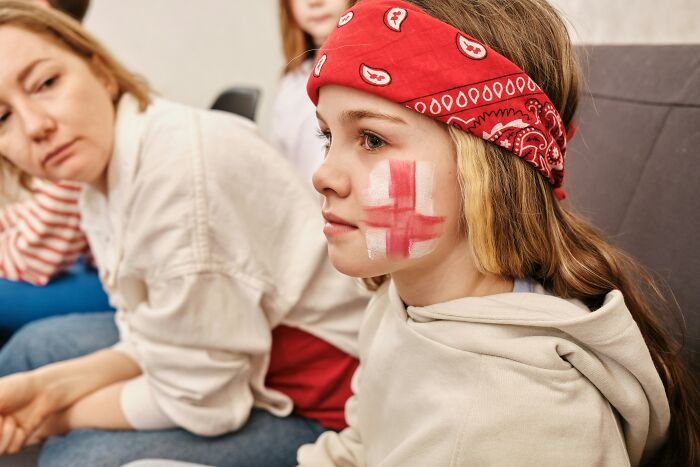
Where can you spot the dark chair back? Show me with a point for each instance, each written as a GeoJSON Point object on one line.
{"type": "Point", "coordinates": [239, 100]}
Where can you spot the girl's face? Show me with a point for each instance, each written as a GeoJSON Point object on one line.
{"type": "Point", "coordinates": [318, 17]}
{"type": "Point", "coordinates": [391, 197]}
{"type": "Point", "coordinates": [56, 114]}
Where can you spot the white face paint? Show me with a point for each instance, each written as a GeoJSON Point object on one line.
{"type": "Point", "coordinates": [399, 210]}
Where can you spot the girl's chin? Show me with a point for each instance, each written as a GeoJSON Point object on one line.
{"type": "Point", "coordinates": [358, 265]}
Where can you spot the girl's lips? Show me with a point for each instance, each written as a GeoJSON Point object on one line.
{"type": "Point", "coordinates": [331, 229]}
{"type": "Point", "coordinates": [320, 19]}
{"type": "Point", "coordinates": [336, 225]}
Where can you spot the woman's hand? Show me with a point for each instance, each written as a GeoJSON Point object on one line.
{"type": "Point", "coordinates": [12, 435]}
{"type": "Point", "coordinates": [54, 425]}
{"type": "Point", "coordinates": [36, 404]}
{"type": "Point", "coordinates": [24, 402]}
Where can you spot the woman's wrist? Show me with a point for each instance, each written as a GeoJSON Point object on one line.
{"type": "Point", "coordinates": [55, 386]}
{"type": "Point", "coordinates": [63, 383]}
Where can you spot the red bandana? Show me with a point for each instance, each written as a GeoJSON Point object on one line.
{"type": "Point", "coordinates": [396, 51]}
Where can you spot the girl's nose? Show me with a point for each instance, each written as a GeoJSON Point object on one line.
{"type": "Point", "coordinates": [330, 179]}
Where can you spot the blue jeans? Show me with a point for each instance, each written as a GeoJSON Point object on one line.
{"type": "Point", "coordinates": [265, 440]}
{"type": "Point", "coordinates": [77, 290]}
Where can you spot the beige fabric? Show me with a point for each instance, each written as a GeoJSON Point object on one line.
{"type": "Point", "coordinates": [205, 241]}
{"type": "Point", "coordinates": [516, 379]}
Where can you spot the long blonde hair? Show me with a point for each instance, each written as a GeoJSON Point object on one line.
{"type": "Point", "coordinates": [518, 229]}
{"type": "Point", "coordinates": [67, 33]}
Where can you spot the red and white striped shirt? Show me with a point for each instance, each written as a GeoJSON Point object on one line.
{"type": "Point", "coordinates": [41, 236]}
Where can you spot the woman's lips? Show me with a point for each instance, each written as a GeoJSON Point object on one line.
{"type": "Point", "coordinates": [59, 154]}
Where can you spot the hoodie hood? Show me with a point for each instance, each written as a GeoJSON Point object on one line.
{"type": "Point", "coordinates": [604, 345]}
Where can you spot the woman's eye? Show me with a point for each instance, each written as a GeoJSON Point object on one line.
{"type": "Point", "coordinates": [371, 141]}
{"type": "Point", "coordinates": [48, 83]}
{"type": "Point", "coordinates": [4, 117]}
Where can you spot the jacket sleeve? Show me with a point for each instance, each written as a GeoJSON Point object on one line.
{"type": "Point", "coordinates": [200, 338]}
{"type": "Point", "coordinates": [41, 236]}
{"type": "Point", "coordinates": [338, 449]}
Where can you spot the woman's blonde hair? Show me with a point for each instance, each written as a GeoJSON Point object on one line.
{"type": "Point", "coordinates": [68, 33]}
{"type": "Point", "coordinates": [518, 229]}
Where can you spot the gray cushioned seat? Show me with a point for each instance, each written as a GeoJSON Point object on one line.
{"type": "Point", "coordinates": [633, 167]}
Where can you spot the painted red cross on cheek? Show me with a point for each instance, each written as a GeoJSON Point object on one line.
{"type": "Point", "coordinates": [404, 224]}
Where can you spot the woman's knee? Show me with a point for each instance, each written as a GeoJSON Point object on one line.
{"type": "Point", "coordinates": [55, 339]}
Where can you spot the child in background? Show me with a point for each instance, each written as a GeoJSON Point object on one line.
{"type": "Point", "coordinates": [304, 26]}
{"type": "Point", "coordinates": [40, 238]}
{"type": "Point", "coordinates": [505, 330]}
{"type": "Point", "coordinates": [232, 322]}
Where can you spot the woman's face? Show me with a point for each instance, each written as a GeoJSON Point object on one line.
{"type": "Point", "coordinates": [56, 114]}
{"type": "Point", "coordinates": [391, 197]}
{"type": "Point", "coordinates": [318, 17]}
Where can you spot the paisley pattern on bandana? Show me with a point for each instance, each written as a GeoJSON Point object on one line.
{"type": "Point", "coordinates": [395, 50]}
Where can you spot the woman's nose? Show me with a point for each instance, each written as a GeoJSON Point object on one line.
{"type": "Point", "coordinates": [38, 123]}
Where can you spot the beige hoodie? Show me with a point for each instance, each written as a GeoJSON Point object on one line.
{"type": "Point", "coordinates": [514, 379]}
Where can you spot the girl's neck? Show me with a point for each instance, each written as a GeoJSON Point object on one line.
{"type": "Point", "coordinates": [447, 278]}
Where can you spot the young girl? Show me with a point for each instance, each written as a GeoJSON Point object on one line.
{"type": "Point", "coordinates": [304, 26]}
{"type": "Point", "coordinates": [505, 331]}
{"type": "Point", "coordinates": [226, 301]}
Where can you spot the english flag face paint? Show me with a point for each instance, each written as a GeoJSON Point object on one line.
{"type": "Point", "coordinates": [399, 210]}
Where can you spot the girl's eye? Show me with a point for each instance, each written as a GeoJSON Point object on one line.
{"type": "Point", "coordinates": [325, 137]}
{"type": "Point", "coordinates": [371, 142]}
{"type": "Point", "coordinates": [48, 83]}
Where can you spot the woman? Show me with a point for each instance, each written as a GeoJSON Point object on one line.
{"type": "Point", "coordinates": [40, 241]}
{"type": "Point", "coordinates": [225, 299]}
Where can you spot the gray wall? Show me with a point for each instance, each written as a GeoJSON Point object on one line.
{"type": "Point", "coordinates": [633, 21]}
{"type": "Point", "coordinates": [191, 49]}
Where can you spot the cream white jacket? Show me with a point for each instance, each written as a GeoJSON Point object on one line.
{"type": "Point", "coordinates": [515, 379]}
{"type": "Point", "coordinates": [205, 241]}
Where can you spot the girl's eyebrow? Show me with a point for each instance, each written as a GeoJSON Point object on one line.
{"type": "Point", "coordinates": [352, 115]}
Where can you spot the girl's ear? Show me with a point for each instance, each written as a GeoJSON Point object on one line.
{"type": "Point", "coordinates": [105, 75]}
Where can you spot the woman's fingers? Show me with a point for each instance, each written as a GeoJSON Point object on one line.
{"type": "Point", "coordinates": [17, 441]}
{"type": "Point", "coordinates": [33, 415]}
{"type": "Point", "coordinates": [7, 432]}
